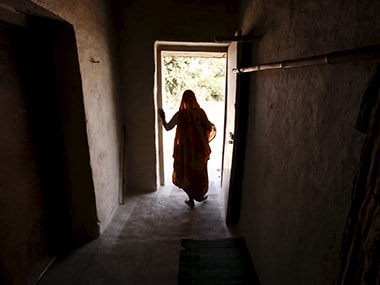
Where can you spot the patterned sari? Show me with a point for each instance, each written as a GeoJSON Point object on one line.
{"type": "Point", "coordinates": [191, 148]}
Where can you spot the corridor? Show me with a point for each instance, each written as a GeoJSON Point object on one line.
{"type": "Point", "coordinates": [143, 242]}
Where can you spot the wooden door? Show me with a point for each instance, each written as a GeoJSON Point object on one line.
{"type": "Point", "coordinates": [229, 132]}
{"type": "Point", "coordinates": [235, 132]}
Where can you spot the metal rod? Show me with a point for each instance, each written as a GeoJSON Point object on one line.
{"type": "Point", "coordinates": [364, 53]}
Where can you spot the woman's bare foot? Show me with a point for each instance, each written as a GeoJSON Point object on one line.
{"type": "Point", "coordinates": [190, 203]}
{"type": "Point", "coordinates": [204, 198]}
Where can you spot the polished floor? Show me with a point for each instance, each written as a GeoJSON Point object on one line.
{"type": "Point", "coordinates": [143, 242]}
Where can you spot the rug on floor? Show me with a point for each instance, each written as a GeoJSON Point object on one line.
{"type": "Point", "coordinates": [220, 261]}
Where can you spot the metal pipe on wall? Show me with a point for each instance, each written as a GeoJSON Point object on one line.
{"type": "Point", "coordinates": [364, 53]}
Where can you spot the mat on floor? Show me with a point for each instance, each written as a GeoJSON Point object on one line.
{"type": "Point", "coordinates": [221, 261]}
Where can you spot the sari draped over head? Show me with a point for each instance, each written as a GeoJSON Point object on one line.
{"type": "Point", "coordinates": [191, 147]}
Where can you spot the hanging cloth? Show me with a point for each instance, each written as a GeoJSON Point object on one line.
{"type": "Point", "coordinates": [368, 102]}
{"type": "Point", "coordinates": [360, 252]}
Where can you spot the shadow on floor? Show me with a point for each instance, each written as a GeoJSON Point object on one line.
{"type": "Point", "coordinates": [143, 242]}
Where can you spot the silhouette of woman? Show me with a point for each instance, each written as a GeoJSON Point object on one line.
{"type": "Point", "coordinates": [191, 147]}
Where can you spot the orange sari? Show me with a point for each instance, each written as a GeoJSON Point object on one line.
{"type": "Point", "coordinates": [192, 151]}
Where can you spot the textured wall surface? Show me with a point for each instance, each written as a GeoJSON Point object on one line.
{"type": "Point", "coordinates": [303, 149]}
{"type": "Point", "coordinates": [140, 24]}
{"type": "Point", "coordinates": [92, 27]}
{"type": "Point", "coordinates": [60, 116]}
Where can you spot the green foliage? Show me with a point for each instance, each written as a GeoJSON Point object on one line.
{"type": "Point", "coordinates": [204, 75]}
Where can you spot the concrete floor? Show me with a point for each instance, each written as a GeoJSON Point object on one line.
{"type": "Point", "coordinates": [143, 242]}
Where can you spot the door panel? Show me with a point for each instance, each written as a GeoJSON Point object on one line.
{"type": "Point", "coordinates": [236, 128]}
{"type": "Point", "coordinates": [229, 131]}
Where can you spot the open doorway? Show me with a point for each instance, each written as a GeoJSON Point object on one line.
{"type": "Point", "coordinates": [205, 74]}
{"type": "Point", "coordinates": [201, 68]}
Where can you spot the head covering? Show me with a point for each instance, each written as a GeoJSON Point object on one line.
{"type": "Point", "coordinates": [189, 101]}
{"type": "Point", "coordinates": [190, 106]}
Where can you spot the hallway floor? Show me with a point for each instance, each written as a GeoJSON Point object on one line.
{"type": "Point", "coordinates": [143, 242]}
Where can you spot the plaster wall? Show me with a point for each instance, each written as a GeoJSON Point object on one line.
{"type": "Point", "coordinates": [302, 146]}
{"type": "Point", "coordinates": [98, 69]}
{"type": "Point", "coordinates": [140, 24]}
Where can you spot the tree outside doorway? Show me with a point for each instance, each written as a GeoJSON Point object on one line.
{"type": "Point", "coordinates": [206, 76]}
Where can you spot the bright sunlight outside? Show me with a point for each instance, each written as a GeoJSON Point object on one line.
{"type": "Point", "coordinates": [206, 76]}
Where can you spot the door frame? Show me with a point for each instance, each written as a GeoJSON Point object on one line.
{"type": "Point", "coordinates": [233, 195]}
{"type": "Point", "coordinates": [180, 47]}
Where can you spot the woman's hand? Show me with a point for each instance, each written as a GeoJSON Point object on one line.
{"type": "Point", "coordinates": [172, 123]}
{"type": "Point", "coordinates": [162, 114]}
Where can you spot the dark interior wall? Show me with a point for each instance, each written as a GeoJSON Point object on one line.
{"type": "Point", "coordinates": [35, 201]}
{"type": "Point", "coordinates": [58, 110]}
{"type": "Point", "coordinates": [48, 202]}
{"type": "Point", "coordinates": [24, 248]}
{"type": "Point", "coordinates": [139, 25]}
{"type": "Point", "coordinates": [302, 147]}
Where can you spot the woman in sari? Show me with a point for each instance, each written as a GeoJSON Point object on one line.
{"type": "Point", "coordinates": [191, 147]}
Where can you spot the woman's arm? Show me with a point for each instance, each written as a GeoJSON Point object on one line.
{"type": "Point", "coordinates": [172, 123]}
